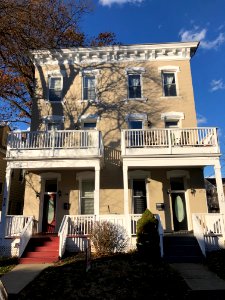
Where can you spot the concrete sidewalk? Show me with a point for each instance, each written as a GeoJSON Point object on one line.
{"type": "Point", "coordinates": [201, 281]}
{"type": "Point", "coordinates": [20, 276]}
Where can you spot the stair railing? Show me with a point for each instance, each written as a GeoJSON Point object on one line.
{"type": "Point", "coordinates": [63, 232]}
{"type": "Point", "coordinates": [26, 235]}
{"type": "Point", "coordinates": [198, 227]}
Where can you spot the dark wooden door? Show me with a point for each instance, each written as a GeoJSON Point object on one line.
{"type": "Point", "coordinates": [179, 211]}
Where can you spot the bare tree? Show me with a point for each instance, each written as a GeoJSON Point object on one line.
{"type": "Point", "coordinates": [36, 24]}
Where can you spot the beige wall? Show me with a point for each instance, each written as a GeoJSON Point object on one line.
{"type": "Point", "coordinates": [112, 91]}
{"type": "Point", "coordinates": [111, 193]}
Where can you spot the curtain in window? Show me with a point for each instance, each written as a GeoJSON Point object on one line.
{"type": "Point", "coordinates": [169, 84]}
{"type": "Point", "coordinates": [55, 89]}
{"type": "Point", "coordinates": [134, 86]}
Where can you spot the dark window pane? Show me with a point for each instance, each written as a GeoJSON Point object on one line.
{"type": "Point", "coordinates": [177, 183]}
{"type": "Point", "coordinates": [169, 84]}
{"type": "Point", "coordinates": [134, 83]}
{"type": "Point", "coordinates": [54, 95]}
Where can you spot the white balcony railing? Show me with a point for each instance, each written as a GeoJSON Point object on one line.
{"type": "Point", "coordinates": [169, 141]}
{"type": "Point", "coordinates": [57, 143]}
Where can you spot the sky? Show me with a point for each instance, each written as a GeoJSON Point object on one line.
{"type": "Point", "coordinates": [161, 21]}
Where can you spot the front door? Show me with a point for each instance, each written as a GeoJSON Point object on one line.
{"type": "Point", "coordinates": [179, 211]}
{"type": "Point", "coordinates": [136, 136]}
{"type": "Point", "coordinates": [178, 204]}
{"type": "Point", "coordinates": [139, 196]}
{"type": "Point", "coordinates": [49, 206]}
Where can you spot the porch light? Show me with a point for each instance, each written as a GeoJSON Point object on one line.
{"type": "Point", "coordinates": [59, 193]}
{"type": "Point", "coordinates": [193, 191]}
{"type": "Point", "coordinates": [169, 191]}
{"type": "Point", "coordinates": [37, 195]}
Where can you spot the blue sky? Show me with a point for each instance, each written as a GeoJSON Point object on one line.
{"type": "Point", "coordinates": [160, 21]}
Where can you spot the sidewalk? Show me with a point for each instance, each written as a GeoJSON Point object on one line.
{"type": "Point", "coordinates": [201, 281]}
{"type": "Point", "coordinates": [20, 276]}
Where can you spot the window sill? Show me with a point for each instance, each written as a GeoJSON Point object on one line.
{"type": "Point", "coordinates": [171, 97]}
{"type": "Point", "coordinates": [137, 99]}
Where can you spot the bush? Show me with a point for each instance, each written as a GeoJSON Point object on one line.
{"type": "Point", "coordinates": [147, 235]}
{"type": "Point", "coordinates": [108, 238]}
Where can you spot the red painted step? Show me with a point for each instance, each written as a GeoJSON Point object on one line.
{"type": "Point", "coordinates": [41, 249]}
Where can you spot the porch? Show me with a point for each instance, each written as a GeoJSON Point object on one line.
{"type": "Point", "coordinates": [163, 141]}
{"type": "Point", "coordinates": [209, 230]}
{"type": "Point", "coordinates": [55, 143]}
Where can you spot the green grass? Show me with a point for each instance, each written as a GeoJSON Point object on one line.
{"type": "Point", "coordinates": [122, 276]}
{"type": "Point", "coordinates": [7, 264]}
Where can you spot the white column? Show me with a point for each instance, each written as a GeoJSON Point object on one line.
{"type": "Point", "coordinates": [125, 190]}
{"type": "Point", "coordinates": [219, 185]}
{"type": "Point", "coordinates": [97, 191]}
{"type": "Point", "coordinates": [5, 201]}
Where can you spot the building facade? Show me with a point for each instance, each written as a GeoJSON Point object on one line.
{"type": "Point", "coordinates": [113, 132]}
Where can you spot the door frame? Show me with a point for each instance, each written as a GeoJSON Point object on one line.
{"type": "Point", "coordinates": [44, 177]}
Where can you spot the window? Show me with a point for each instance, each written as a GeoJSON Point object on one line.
{"type": "Point", "coordinates": [55, 88]}
{"type": "Point", "coordinates": [89, 125]}
{"type": "Point", "coordinates": [139, 196]}
{"type": "Point", "coordinates": [53, 126]}
{"type": "Point", "coordinates": [87, 197]}
{"type": "Point", "coordinates": [134, 86]}
{"type": "Point", "coordinates": [89, 88]}
{"type": "Point", "coordinates": [172, 124]}
{"type": "Point", "coordinates": [169, 84]}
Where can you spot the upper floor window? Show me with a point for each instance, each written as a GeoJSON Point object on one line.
{"type": "Point", "coordinates": [171, 123]}
{"type": "Point", "coordinates": [89, 84]}
{"type": "Point", "coordinates": [55, 88]}
{"type": "Point", "coordinates": [134, 86]}
{"type": "Point", "coordinates": [169, 84]}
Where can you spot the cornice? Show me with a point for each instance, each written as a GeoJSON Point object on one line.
{"type": "Point", "coordinates": [112, 54]}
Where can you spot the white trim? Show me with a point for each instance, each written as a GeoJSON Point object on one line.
{"type": "Point", "coordinates": [172, 115]}
{"type": "Point", "coordinates": [137, 117]}
{"type": "Point", "coordinates": [136, 52]}
{"type": "Point", "coordinates": [169, 68]}
{"type": "Point", "coordinates": [134, 70]}
{"type": "Point", "coordinates": [81, 176]}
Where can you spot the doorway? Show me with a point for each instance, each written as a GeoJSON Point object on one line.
{"type": "Point", "coordinates": [49, 206]}
{"type": "Point", "coordinates": [178, 204]}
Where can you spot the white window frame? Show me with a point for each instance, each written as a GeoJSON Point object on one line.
{"type": "Point", "coordinates": [82, 176]}
{"type": "Point", "coordinates": [135, 71]}
{"type": "Point", "coordinates": [61, 88]}
{"type": "Point", "coordinates": [173, 116]}
{"type": "Point", "coordinates": [137, 117]}
{"type": "Point", "coordinates": [89, 73]}
{"type": "Point", "coordinates": [170, 69]}
{"type": "Point", "coordinates": [93, 118]}
{"type": "Point", "coordinates": [59, 120]}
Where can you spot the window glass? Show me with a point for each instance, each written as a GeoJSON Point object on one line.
{"type": "Point", "coordinates": [89, 88]}
{"type": "Point", "coordinates": [54, 126]}
{"type": "Point", "coordinates": [169, 84]}
{"type": "Point", "coordinates": [135, 124]}
{"type": "Point", "coordinates": [134, 86]}
{"type": "Point", "coordinates": [89, 125]}
{"type": "Point", "coordinates": [139, 196]}
{"type": "Point", "coordinates": [177, 183]}
{"type": "Point", "coordinates": [87, 197]}
{"type": "Point", "coordinates": [55, 88]}
{"type": "Point", "coordinates": [171, 124]}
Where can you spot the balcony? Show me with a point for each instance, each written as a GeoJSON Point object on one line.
{"type": "Point", "coordinates": [176, 141]}
{"type": "Point", "coordinates": [56, 144]}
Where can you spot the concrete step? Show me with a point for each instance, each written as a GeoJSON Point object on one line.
{"type": "Point", "coordinates": [37, 260]}
{"type": "Point", "coordinates": [34, 254]}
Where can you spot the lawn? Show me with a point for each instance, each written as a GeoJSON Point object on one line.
{"type": "Point", "coordinates": [7, 264]}
{"type": "Point", "coordinates": [121, 276]}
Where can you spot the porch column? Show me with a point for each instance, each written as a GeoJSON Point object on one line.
{"type": "Point", "coordinates": [125, 190]}
{"type": "Point", "coordinates": [5, 201]}
{"type": "Point", "coordinates": [97, 189]}
{"type": "Point", "coordinates": [219, 185]}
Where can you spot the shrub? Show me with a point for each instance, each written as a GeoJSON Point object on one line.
{"type": "Point", "coordinates": [147, 235]}
{"type": "Point", "coordinates": [108, 238]}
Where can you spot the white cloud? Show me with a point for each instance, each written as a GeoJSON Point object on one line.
{"type": "Point", "coordinates": [197, 34]}
{"type": "Point", "coordinates": [217, 85]}
{"type": "Point", "coordinates": [201, 119]}
{"type": "Point", "coordinates": [110, 2]}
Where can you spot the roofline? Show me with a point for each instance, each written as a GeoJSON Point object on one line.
{"type": "Point", "coordinates": [194, 45]}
